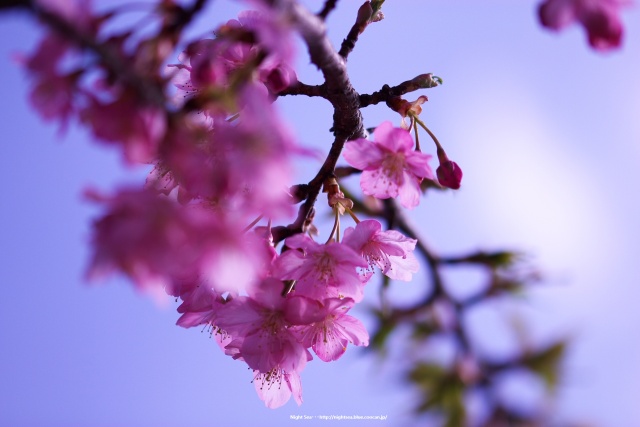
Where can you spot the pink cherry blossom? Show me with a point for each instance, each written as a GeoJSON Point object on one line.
{"type": "Point", "coordinates": [213, 61]}
{"type": "Point", "coordinates": [390, 165]}
{"type": "Point", "coordinates": [600, 18]}
{"type": "Point", "coordinates": [137, 128]}
{"type": "Point", "coordinates": [77, 12]}
{"type": "Point", "coordinates": [260, 331]}
{"type": "Point", "coordinates": [158, 242]}
{"type": "Point", "coordinates": [277, 386]}
{"type": "Point", "coordinates": [52, 93]}
{"type": "Point", "coordinates": [52, 97]}
{"type": "Point", "coordinates": [242, 164]}
{"type": "Point", "coordinates": [333, 329]}
{"type": "Point", "coordinates": [320, 271]}
{"type": "Point", "coordinates": [273, 30]}
{"type": "Point", "coordinates": [389, 250]}
{"type": "Point", "coordinates": [200, 307]}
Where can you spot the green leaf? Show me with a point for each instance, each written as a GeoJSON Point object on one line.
{"type": "Point", "coordinates": [546, 363]}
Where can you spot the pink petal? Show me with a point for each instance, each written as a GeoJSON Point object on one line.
{"type": "Point", "coordinates": [362, 154]}
{"type": "Point", "coordinates": [402, 268]}
{"type": "Point", "coordinates": [274, 393]}
{"type": "Point", "coordinates": [377, 184]}
{"type": "Point", "coordinates": [303, 311]}
{"type": "Point", "coordinates": [353, 329]}
{"type": "Point", "coordinates": [328, 345]}
{"type": "Point", "coordinates": [409, 193]}
{"type": "Point", "coordinates": [418, 164]}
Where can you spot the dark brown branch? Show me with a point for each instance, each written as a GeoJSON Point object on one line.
{"type": "Point", "coordinates": [386, 93]}
{"type": "Point", "coordinates": [183, 16]}
{"type": "Point", "coordinates": [147, 90]}
{"type": "Point", "coordinates": [329, 5]}
{"type": "Point", "coordinates": [8, 4]}
{"type": "Point", "coordinates": [347, 120]}
{"type": "Point", "coordinates": [300, 88]}
{"type": "Point", "coordinates": [365, 12]}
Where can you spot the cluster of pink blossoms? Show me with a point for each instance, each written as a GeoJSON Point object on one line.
{"type": "Point", "coordinates": [220, 157]}
{"type": "Point", "coordinates": [600, 18]}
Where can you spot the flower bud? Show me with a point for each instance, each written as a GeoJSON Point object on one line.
{"type": "Point", "coordinates": [427, 81]}
{"type": "Point", "coordinates": [449, 174]}
{"type": "Point", "coordinates": [365, 13]}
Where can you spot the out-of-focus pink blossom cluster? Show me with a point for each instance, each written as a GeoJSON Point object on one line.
{"type": "Point", "coordinates": [600, 18]}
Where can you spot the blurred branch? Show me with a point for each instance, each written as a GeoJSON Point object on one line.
{"type": "Point", "coordinates": [148, 90]}
{"type": "Point", "coordinates": [329, 5]}
{"type": "Point", "coordinates": [183, 16]}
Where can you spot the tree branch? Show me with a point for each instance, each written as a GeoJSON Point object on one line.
{"type": "Point", "coordinates": [386, 93]}
{"type": "Point", "coordinates": [329, 5]}
{"type": "Point", "coordinates": [147, 89]}
{"type": "Point", "coordinates": [347, 119]}
{"type": "Point", "coordinates": [365, 12]}
{"type": "Point", "coordinates": [299, 88]}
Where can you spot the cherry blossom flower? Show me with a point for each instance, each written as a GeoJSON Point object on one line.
{"type": "Point", "coordinates": [277, 386]}
{"type": "Point", "coordinates": [601, 19]}
{"type": "Point", "coordinates": [331, 330]}
{"type": "Point", "coordinates": [390, 165]}
{"type": "Point", "coordinates": [200, 306]}
{"type": "Point", "coordinates": [52, 97]}
{"type": "Point", "coordinates": [389, 250]}
{"type": "Point", "coordinates": [320, 271]}
{"type": "Point", "coordinates": [244, 164]}
{"type": "Point", "coordinates": [138, 129]}
{"type": "Point", "coordinates": [273, 30]}
{"type": "Point", "coordinates": [213, 61]}
{"type": "Point", "coordinates": [157, 243]}
{"type": "Point", "coordinates": [77, 12]}
{"type": "Point", "coordinates": [260, 331]}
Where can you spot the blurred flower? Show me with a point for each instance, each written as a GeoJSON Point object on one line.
{"type": "Point", "coordinates": [161, 244]}
{"type": "Point", "coordinates": [601, 19]}
{"type": "Point", "coordinates": [137, 128]}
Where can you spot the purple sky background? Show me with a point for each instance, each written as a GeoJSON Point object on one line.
{"type": "Point", "coordinates": [546, 131]}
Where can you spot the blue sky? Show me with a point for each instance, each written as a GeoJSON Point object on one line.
{"type": "Point", "coordinates": [545, 130]}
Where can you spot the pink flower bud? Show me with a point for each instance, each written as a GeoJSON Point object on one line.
{"type": "Point", "coordinates": [449, 174]}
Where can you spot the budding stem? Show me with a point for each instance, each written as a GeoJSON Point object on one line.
{"type": "Point", "coordinates": [421, 123]}
{"type": "Point", "coordinates": [353, 215]}
{"type": "Point", "coordinates": [336, 225]}
{"type": "Point", "coordinates": [415, 131]}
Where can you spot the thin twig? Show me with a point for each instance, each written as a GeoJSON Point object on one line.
{"type": "Point", "coordinates": [329, 5]}
{"type": "Point", "coordinates": [299, 88]}
{"type": "Point", "coordinates": [386, 93]}
{"type": "Point", "coordinates": [362, 20]}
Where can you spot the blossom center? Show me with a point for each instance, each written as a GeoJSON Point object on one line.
{"type": "Point", "coordinates": [393, 166]}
